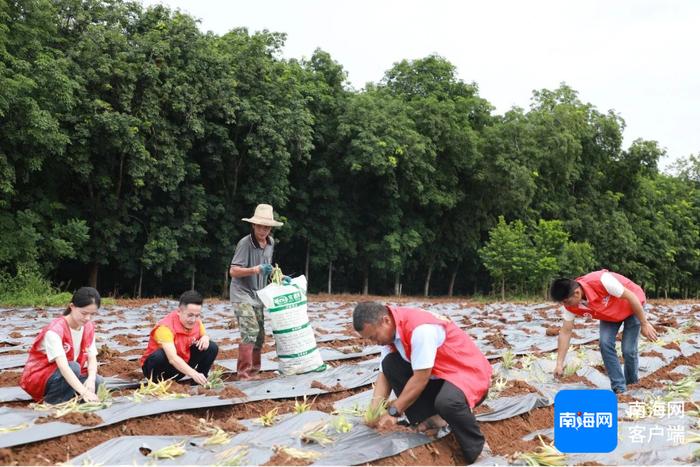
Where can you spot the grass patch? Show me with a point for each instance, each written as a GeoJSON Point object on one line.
{"type": "Point", "coordinates": [28, 288]}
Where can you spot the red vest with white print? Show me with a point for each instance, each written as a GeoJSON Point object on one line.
{"type": "Point", "coordinates": [38, 368]}
{"type": "Point", "coordinates": [184, 338]}
{"type": "Point", "coordinates": [602, 305]}
{"type": "Point", "coordinates": [458, 359]}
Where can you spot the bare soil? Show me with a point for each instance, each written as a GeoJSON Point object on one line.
{"type": "Point", "coordinates": [9, 378]}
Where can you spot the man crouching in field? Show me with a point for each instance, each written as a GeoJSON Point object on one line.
{"type": "Point", "coordinates": [435, 368]}
{"type": "Point", "coordinates": [179, 345]}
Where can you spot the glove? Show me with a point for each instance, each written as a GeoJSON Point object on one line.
{"type": "Point", "coordinates": [286, 280]}
{"type": "Point", "coordinates": [265, 269]}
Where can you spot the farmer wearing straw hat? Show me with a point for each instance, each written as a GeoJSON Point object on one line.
{"type": "Point", "coordinates": [250, 267]}
{"type": "Point", "coordinates": [614, 300]}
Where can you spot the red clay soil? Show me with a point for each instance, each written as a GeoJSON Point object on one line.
{"type": "Point", "coordinates": [229, 392]}
{"type": "Point", "coordinates": [86, 419]}
{"type": "Point", "coordinates": [445, 451]}
{"type": "Point", "coordinates": [497, 340]}
{"type": "Point", "coordinates": [652, 380]}
{"type": "Point", "coordinates": [652, 353]}
{"type": "Point", "coordinates": [127, 341]}
{"type": "Point", "coordinates": [227, 354]}
{"type": "Point", "coordinates": [280, 458]}
{"type": "Point", "coordinates": [9, 378]}
{"type": "Point", "coordinates": [504, 436]}
{"type": "Point", "coordinates": [127, 369]}
{"type": "Point", "coordinates": [483, 408]}
{"type": "Point", "coordinates": [553, 331]}
{"type": "Point", "coordinates": [517, 387]}
{"type": "Point", "coordinates": [323, 387]}
{"type": "Point", "coordinates": [15, 334]}
{"type": "Point", "coordinates": [572, 379]}
{"type": "Point", "coordinates": [672, 346]}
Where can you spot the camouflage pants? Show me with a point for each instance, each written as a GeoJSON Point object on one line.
{"type": "Point", "coordinates": [251, 323]}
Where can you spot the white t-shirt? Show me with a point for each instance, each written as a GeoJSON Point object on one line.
{"type": "Point", "coordinates": [52, 344]}
{"type": "Point", "coordinates": [425, 341]}
{"type": "Point", "coordinates": [613, 286]}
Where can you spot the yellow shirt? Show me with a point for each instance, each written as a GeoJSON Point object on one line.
{"type": "Point", "coordinates": [164, 335]}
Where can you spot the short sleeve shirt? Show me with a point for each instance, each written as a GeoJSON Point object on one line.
{"type": "Point", "coordinates": [425, 341]}
{"type": "Point", "coordinates": [164, 335]}
{"type": "Point", "coordinates": [52, 345]}
{"type": "Point", "coordinates": [249, 254]}
{"type": "Point", "coordinates": [613, 286]}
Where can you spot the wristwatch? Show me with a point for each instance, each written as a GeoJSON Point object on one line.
{"type": "Point", "coordinates": [393, 411]}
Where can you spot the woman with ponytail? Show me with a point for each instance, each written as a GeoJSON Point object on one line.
{"type": "Point", "coordinates": [63, 359]}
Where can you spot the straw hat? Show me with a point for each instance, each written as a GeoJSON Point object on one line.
{"type": "Point", "coordinates": [263, 216]}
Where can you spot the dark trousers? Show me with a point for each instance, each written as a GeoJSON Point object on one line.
{"type": "Point", "coordinates": [157, 366]}
{"type": "Point", "coordinates": [57, 388]}
{"type": "Point", "coordinates": [439, 397]}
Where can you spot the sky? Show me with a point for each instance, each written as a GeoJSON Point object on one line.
{"type": "Point", "coordinates": [638, 58]}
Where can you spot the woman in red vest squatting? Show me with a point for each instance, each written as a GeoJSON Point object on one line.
{"type": "Point", "coordinates": [435, 368]}
{"type": "Point", "coordinates": [63, 358]}
{"type": "Point", "coordinates": [612, 299]}
{"type": "Point", "coordinates": [179, 345]}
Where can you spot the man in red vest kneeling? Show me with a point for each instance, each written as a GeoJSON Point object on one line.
{"type": "Point", "coordinates": [179, 345]}
{"type": "Point", "coordinates": [435, 368]}
{"type": "Point", "coordinates": [612, 299]}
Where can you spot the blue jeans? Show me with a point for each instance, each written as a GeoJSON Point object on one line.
{"type": "Point", "coordinates": [57, 388]}
{"type": "Point", "coordinates": [630, 352]}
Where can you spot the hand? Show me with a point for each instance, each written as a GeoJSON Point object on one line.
{"type": "Point", "coordinates": [202, 343]}
{"type": "Point", "coordinates": [89, 396]}
{"type": "Point", "coordinates": [265, 269]}
{"type": "Point", "coordinates": [559, 371]}
{"type": "Point", "coordinates": [199, 378]}
{"type": "Point", "coordinates": [90, 384]}
{"type": "Point", "coordinates": [386, 422]}
{"type": "Point", "coordinates": [286, 280]}
{"type": "Point", "coordinates": [649, 332]}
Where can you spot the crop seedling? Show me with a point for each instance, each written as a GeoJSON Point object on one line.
{"type": "Point", "coordinates": [508, 359]}
{"type": "Point", "coordinates": [304, 406]}
{"type": "Point", "coordinates": [371, 414]}
{"type": "Point", "coordinates": [498, 385]}
{"type": "Point", "coordinates": [354, 411]}
{"type": "Point", "coordinates": [572, 368]}
{"type": "Point", "coordinates": [682, 389]}
{"type": "Point", "coordinates": [159, 390]}
{"type": "Point", "coordinates": [316, 433]}
{"type": "Point", "coordinates": [217, 436]}
{"type": "Point", "coordinates": [276, 275]}
{"type": "Point", "coordinates": [545, 454]}
{"type": "Point", "coordinates": [341, 424]}
{"type": "Point", "coordinates": [298, 453]}
{"type": "Point", "coordinates": [10, 429]}
{"type": "Point", "coordinates": [526, 361]}
{"type": "Point", "coordinates": [215, 380]}
{"type": "Point", "coordinates": [169, 452]}
{"type": "Point", "coordinates": [270, 418]}
{"type": "Point", "coordinates": [233, 456]}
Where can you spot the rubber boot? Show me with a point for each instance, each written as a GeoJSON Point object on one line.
{"type": "Point", "coordinates": [244, 365]}
{"type": "Point", "coordinates": [256, 360]}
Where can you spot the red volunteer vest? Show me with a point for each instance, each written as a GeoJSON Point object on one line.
{"type": "Point", "coordinates": [38, 369]}
{"type": "Point", "coordinates": [458, 359]}
{"type": "Point", "coordinates": [183, 337]}
{"type": "Point", "coordinates": [602, 305]}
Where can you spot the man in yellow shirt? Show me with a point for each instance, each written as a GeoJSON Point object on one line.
{"type": "Point", "coordinates": [179, 345]}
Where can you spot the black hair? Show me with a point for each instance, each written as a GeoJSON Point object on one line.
{"type": "Point", "coordinates": [191, 297]}
{"type": "Point", "coordinates": [367, 313]}
{"type": "Point", "coordinates": [84, 296]}
{"type": "Point", "coordinates": [562, 288]}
